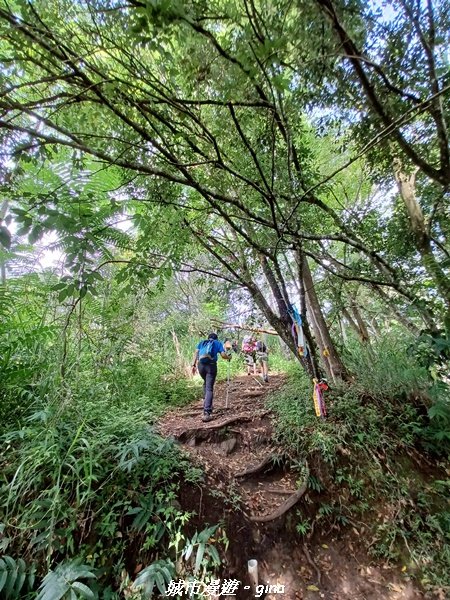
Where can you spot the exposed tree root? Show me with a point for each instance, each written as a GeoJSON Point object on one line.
{"type": "Point", "coordinates": [312, 563]}
{"type": "Point", "coordinates": [252, 394]}
{"type": "Point", "coordinates": [277, 491]}
{"type": "Point", "coordinates": [238, 419]}
{"type": "Point", "coordinates": [194, 412]}
{"type": "Point", "coordinates": [201, 431]}
{"type": "Point", "coordinates": [290, 502]}
{"type": "Point", "coordinates": [269, 460]}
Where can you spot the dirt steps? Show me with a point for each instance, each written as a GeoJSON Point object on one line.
{"type": "Point", "coordinates": [239, 438]}
{"type": "Point", "coordinates": [249, 486]}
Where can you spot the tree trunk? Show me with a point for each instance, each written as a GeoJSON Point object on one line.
{"type": "Point", "coordinates": [406, 183]}
{"type": "Point", "coordinates": [363, 331]}
{"type": "Point", "coordinates": [317, 335]}
{"type": "Point", "coordinates": [3, 211]}
{"type": "Point", "coordinates": [311, 344]}
{"type": "Point", "coordinates": [180, 362]}
{"type": "Point", "coordinates": [350, 320]}
{"type": "Point", "coordinates": [280, 293]}
{"type": "Point", "coordinates": [407, 323]}
{"type": "Point", "coordinates": [2, 272]}
{"type": "Point", "coordinates": [376, 330]}
{"type": "Point", "coordinates": [342, 329]}
{"type": "Point", "coordinates": [307, 314]}
{"type": "Point", "coordinates": [333, 364]}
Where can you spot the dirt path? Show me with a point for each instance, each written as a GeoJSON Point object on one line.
{"type": "Point", "coordinates": [247, 484]}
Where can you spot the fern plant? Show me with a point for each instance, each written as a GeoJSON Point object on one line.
{"type": "Point", "coordinates": [206, 554]}
{"type": "Point", "coordinates": [159, 573]}
{"type": "Point", "coordinates": [16, 577]}
{"type": "Point", "coordinates": [64, 583]}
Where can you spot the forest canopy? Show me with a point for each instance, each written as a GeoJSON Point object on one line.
{"type": "Point", "coordinates": [261, 163]}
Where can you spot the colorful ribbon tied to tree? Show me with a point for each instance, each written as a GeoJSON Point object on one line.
{"type": "Point", "coordinates": [319, 402]}
{"type": "Point", "coordinates": [297, 332]}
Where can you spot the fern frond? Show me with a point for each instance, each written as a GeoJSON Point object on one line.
{"type": "Point", "coordinates": [64, 583]}
{"type": "Point", "coordinates": [16, 577]}
{"type": "Point", "coordinates": [117, 237]}
{"type": "Point", "coordinates": [159, 573]}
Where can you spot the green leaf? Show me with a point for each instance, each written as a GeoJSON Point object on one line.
{"type": "Point", "coordinates": [19, 582]}
{"type": "Point", "coordinates": [13, 572]}
{"type": "Point", "coordinates": [31, 578]}
{"type": "Point", "coordinates": [199, 557]}
{"type": "Point", "coordinates": [188, 552]}
{"type": "Point", "coordinates": [160, 583]}
{"type": "Point", "coordinates": [214, 555]}
{"type": "Point", "coordinates": [5, 237]}
{"type": "Point", "coordinates": [83, 590]}
{"type": "Point", "coordinates": [63, 294]}
{"type": "Point", "coordinates": [35, 234]}
{"type": "Point", "coordinates": [3, 575]}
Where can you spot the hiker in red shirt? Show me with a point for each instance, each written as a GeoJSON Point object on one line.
{"type": "Point", "coordinates": [249, 352]}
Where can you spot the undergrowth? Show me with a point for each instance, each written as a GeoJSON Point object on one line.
{"type": "Point", "coordinates": [89, 492]}
{"type": "Point", "coordinates": [378, 460]}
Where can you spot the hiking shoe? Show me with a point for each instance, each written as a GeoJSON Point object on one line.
{"type": "Point", "coordinates": [207, 417]}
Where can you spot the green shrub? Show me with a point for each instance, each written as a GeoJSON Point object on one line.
{"type": "Point", "coordinates": [364, 445]}
{"type": "Point", "coordinates": [385, 369]}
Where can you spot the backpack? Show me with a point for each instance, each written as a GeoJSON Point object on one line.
{"type": "Point", "coordinates": [261, 347]}
{"type": "Point", "coordinates": [248, 347]}
{"type": "Point", "coordinates": [205, 353]}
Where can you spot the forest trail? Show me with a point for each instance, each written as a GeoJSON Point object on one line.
{"type": "Point", "coordinates": [246, 478]}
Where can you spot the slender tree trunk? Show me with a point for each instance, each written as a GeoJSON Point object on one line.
{"type": "Point", "coordinates": [407, 323]}
{"type": "Point", "coordinates": [406, 183]}
{"type": "Point", "coordinates": [311, 344]}
{"type": "Point", "coordinates": [333, 364]}
{"type": "Point", "coordinates": [310, 362]}
{"type": "Point", "coordinates": [2, 272]}
{"type": "Point", "coordinates": [281, 325]}
{"type": "Point", "coordinates": [280, 293]}
{"type": "Point", "coordinates": [306, 308]}
{"type": "Point", "coordinates": [181, 364]}
{"type": "Point", "coordinates": [3, 211]}
{"type": "Point", "coordinates": [342, 329]}
{"type": "Point", "coordinates": [318, 336]}
{"type": "Point", "coordinates": [363, 331]}
{"type": "Point", "coordinates": [350, 320]}
{"type": "Point", "coordinates": [375, 327]}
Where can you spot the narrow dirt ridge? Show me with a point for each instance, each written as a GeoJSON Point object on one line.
{"type": "Point", "coordinates": [249, 485]}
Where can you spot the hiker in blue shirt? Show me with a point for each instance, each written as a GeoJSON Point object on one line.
{"type": "Point", "coordinates": [205, 359]}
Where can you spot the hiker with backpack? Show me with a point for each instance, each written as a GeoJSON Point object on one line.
{"type": "Point", "coordinates": [205, 360]}
{"type": "Point", "coordinates": [249, 352]}
{"type": "Point", "coordinates": [262, 357]}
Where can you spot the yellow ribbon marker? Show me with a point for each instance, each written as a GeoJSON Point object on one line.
{"type": "Point", "coordinates": [316, 398]}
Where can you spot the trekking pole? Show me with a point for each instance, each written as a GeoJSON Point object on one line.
{"type": "Point", "coordinates": [228, 384]}
{"type": "Point", "coordinates": [227, 346]}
